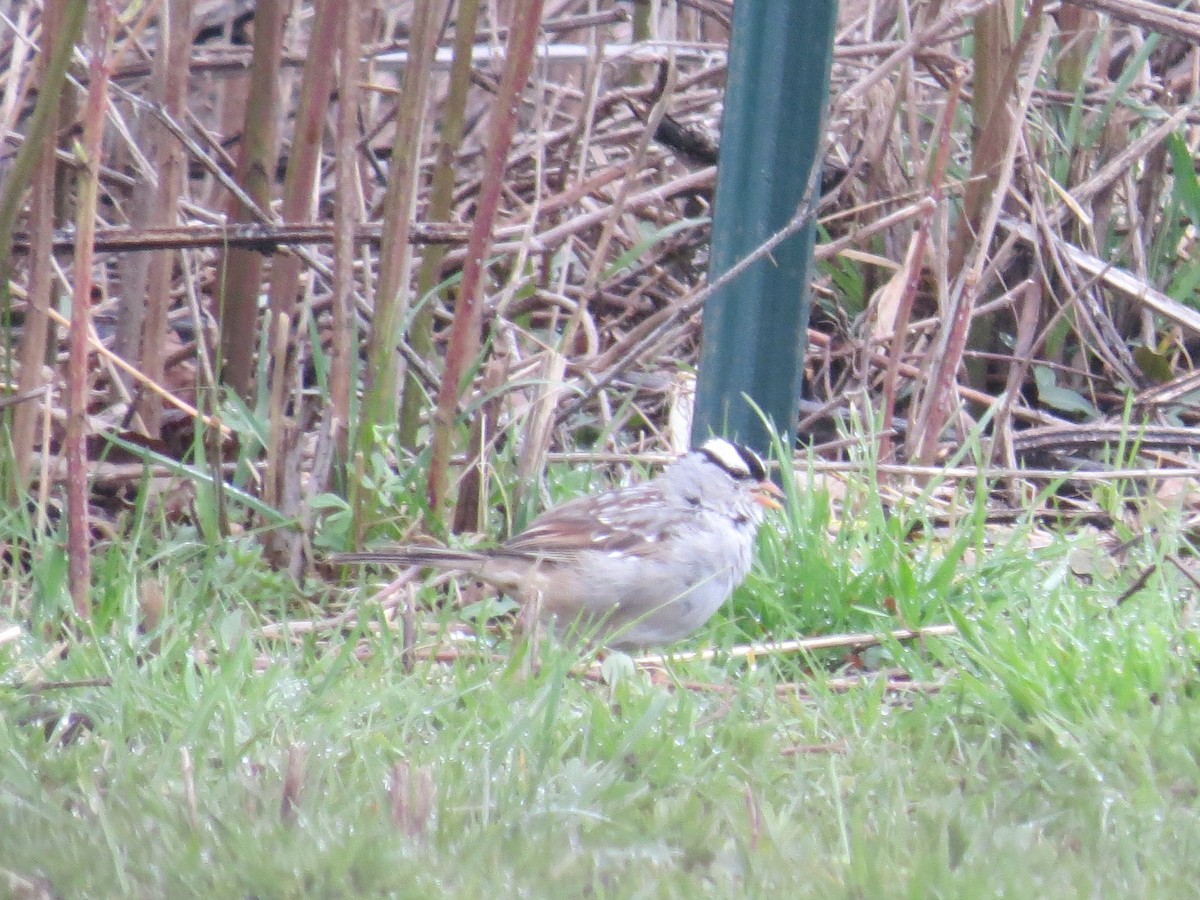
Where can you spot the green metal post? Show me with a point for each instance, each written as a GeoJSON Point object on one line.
{"type": "Point", "coordinates": [755, 327]}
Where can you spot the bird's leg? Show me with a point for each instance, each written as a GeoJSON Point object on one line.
{"type": "Point", "coordinates": [529, 624]}
{"type": "Point", "coordinates": [408, 630]}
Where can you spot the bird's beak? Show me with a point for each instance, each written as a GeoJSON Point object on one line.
{"type": "Point", "coordinates": [767, 493]}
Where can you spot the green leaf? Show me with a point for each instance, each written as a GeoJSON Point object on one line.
{"type": "Point", "coordinates": [199, 476]}
{"type": "Point", "coordinates": [231, 629]}
{"type": "Point", "coordinates": [634, 253]}
{"type": "Point", "coordinates": [1155, 366]}
{"type": "Point", "coordinates": [1061, 398]}
{"type": "Point", "coordinates": [617, 667]}
{"type": "Point", "coordinates": [328, 501]}
{"type": "Point", "coordinates": [1187, 187]}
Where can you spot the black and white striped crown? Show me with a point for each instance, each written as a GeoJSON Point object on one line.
{"type": "Point", "coordinates": [738, 460]}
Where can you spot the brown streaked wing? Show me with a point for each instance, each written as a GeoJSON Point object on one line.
{"type": "Point", "coordinates": [615, 522]}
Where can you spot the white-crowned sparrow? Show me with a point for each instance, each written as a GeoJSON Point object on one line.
{"type": "Point", "coordinates": [640, 565]}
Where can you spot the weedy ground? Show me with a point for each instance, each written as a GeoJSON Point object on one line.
{"type": "Point", "coordinates": [200, 747]}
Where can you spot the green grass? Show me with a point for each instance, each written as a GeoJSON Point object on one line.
{"type": "Point", "coordinates": [1060, 759]}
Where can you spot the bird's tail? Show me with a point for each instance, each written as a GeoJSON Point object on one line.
{"type": "Point", "coordinates": [425, 557]}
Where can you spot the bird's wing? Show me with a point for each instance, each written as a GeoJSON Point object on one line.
{"type": "Point", "coordinates": [629, 521]}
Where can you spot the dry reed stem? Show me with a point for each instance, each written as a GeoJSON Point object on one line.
{"type": "Point", "coordinates": [463, 344]}
{"type": "Point", "coordinates": [171, 66]}
{"type": "Point", "coordinates": [241, 270]}
{"type": "Point", "coordinates": [940, 400]}
{"type": "Point", "coordinates": [79, 562]}
{"type": "Point", "coordinates": [392, 299]}
{"type": "Point", "coordinates": [914, 268]}
{"type": "Point", "coordinates": [41, 226]}
{"type": "Point", "coordinates": [345, 209]}
{"type": "Point", "coordinates": [803, 645]}
{"type": "Point", "coordinates": [440, 209]}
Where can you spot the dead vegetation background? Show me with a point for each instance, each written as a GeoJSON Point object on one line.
{"type": "Point", "coordinates": [274, 249]}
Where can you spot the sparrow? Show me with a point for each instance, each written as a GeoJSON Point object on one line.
{"type": "Point", "coordinates": [638, 566]}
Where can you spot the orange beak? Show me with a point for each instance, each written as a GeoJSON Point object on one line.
{"type": "Point", "coordinates": [767, 494]}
